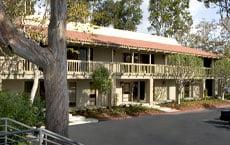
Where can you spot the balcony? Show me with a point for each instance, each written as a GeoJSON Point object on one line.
{"type": "Point", "coordinates": [76, 68]}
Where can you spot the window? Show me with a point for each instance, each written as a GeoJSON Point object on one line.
{"type": "Point", "coordinates": [127, 57]}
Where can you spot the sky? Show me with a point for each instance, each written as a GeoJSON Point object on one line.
{"type": "Point", "coordinates": [197, 10]}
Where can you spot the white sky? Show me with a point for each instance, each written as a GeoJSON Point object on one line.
{"type": "Point", "coordinates": [197, 10]}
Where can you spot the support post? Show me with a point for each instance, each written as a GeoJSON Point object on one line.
{"type": "Point", "coordinates": [0, 84]}
{"type": "Point", "coordinates": [88, 59]}
{"type": "Point", "coordinates": [132, 57]}
{"type": "Point", "coordinates": [6, 131]}
{"type": "Point", "coordinates": [150, 58]}
{"type": "Point", "coordinates": [150, 93]}
{"type": "Point", "coordinates": [113, 92]}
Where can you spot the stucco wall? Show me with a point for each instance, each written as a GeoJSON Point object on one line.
{"type": "Point", "coordinates": [82, 93]}
{"type": "Point", "coordinates": [164, 90]}
{"type": "Point", "coordinates": [196, 90]}
{"type": "Point", "coordinates": [159, 58]}
{"type": "Point", "coordinates": [102, 54]}
{"type": "Point", "coordinates": [13, 85]}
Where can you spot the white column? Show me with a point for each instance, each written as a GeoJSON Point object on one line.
{"type": "Point", "coordinates": [0, 84]}
{"type": "Point", "coordinates": [113, 92]}
{"type": "Point", "coordinates": [88, 59]}
{"type": "Point", "coordinates": [132, 57]}
{"type": "Point", "coordinates": [150, 91]}
{"type": "Point", "coordinates": [150, 58]}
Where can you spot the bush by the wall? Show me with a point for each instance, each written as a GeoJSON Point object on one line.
{"type": "Point", "coordinates": [19, 107]}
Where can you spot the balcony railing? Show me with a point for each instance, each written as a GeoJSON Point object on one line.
{"type": "Point", "coordinates": [117, 68]}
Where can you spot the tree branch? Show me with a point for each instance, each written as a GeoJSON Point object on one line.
{"type": "Point", "coordinates": [15, 40]}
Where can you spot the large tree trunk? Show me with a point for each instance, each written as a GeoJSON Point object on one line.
{"type": "Point", "coordinates": [52, 60]}
{"type": "Point", "coordinates": [56, 98]}
{"type": "Point", "coordinates": [55, 74]}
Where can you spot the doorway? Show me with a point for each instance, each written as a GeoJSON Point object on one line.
{"type": "Point", "coordinates": [209, 87]}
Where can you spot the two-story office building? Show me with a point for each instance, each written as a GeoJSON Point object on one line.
{"type": "Point", "coordinates": [137, 62]}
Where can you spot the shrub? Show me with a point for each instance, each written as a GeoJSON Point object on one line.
{"type": "Point", "coordinates": [19, 107]}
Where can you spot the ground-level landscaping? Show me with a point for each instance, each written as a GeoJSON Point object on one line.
{"type": "Point", "coordinates": [128, 111]}
{"type": "Point", "coordinates": [198, 104]}
{"type": "Point", "coordinates": [116, 112]}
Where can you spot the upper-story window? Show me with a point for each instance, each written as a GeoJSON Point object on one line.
{"type": "Point", "coordinates": [207, 62]}
{"type": "Point", "coordinates": [82, 53]}
{"type": "Point", "coordinates": [127, 57]}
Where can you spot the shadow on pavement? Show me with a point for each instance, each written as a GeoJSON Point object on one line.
{"type": "Point", "coordinates": [219, 123]}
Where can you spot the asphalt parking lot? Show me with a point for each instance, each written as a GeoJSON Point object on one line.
{"type": "Point", "coordinates": [197, 128]}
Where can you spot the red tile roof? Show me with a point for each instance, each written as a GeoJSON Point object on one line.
{"type": "Point", "coordinates": [131, 43]}
{"type": "Point", "coordinates": [82, 37]}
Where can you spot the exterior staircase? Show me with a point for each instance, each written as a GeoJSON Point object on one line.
{"type": "Point", "coordinates": [14, 132]}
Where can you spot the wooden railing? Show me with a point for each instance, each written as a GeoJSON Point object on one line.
{"type": "Point", "coordinates": [75, 66]}
{"type": "Point", "coordinates": [78, 67]}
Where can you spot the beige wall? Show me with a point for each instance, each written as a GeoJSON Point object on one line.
{"type": "Point", "coordinates": [164, 90]}
{"type": "Point", "coordinates": [102, 54]}
{"type": "Point", "coordinates": [13, 85]}
{"type": "Point", "coordinates": [159, 58]}
{"type": "Point", "coordinates": [82, 93]}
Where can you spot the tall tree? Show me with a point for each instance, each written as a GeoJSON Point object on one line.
{"type": "Point", "coordinates": [78, 10]}
{"type": "Point", "coordinates": [224, 10]}
{"type": "Point", "coordinates": [52, 60]}
{"type": "Point", "coordinates": [222, 73]}
{"type": "Point", "coordinates": [186, 68]}
{"type": "Point", "coordinates": [169, 17]}
{"type": "Point", "coordinates": [209, 36]}
{"type": "Point", "coordinates": [122, 14]}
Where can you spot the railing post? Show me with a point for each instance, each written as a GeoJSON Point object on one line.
{"type": "Point", "coordinates": [6, 130]}
{"type": "Point", "coordinates": [40, 137]}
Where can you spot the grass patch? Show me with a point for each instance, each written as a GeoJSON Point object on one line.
{"type": "Point", "coordinates": [116, 112]}
{"type": "Point", "coordinates": [197, 104]}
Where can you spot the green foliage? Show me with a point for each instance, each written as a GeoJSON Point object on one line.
{"type": "Point", "coordinates": [123, 14]}
{"type": "Point", "coordinates": [184, 60]}
{"type": "Point", "coordinates": [78, 10]}
{"type": "Point", "coordinates": [222, 68]}
{"type": "Point", "coordinates": [170, 17]}
{"type": "Point", "coordinates": [19, 8]}
{"type": "Point", "coordinates": [222, 71]}
{"type": "Point", "coordinates": [115, 111]}
{"type": "Point", "coordinates": [19, 107]}
{"type": "Point", "coordinates": [101, 80]}
{"type": "Point", "coordinates": [196, 104]}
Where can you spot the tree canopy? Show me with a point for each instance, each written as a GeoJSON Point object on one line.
{"type": "Point", "coordinates": [185, 69]}
{"type": "Point", "coordinates": [224, 10]}
{"type": "Point", "coordinates": [123, 14]}
{"type": "Point", "coordinates": [209, 36]}
{"type": "Point", "coordinates": [222, 72]}
{"type": "Point", "coordinates": [169, 17]}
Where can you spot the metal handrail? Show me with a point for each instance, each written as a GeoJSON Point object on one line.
{"type": "Point", "coordinates": [28, 134]}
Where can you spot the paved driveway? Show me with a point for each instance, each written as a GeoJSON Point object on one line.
{"type": "Point", "coordinates": [201, 128]}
